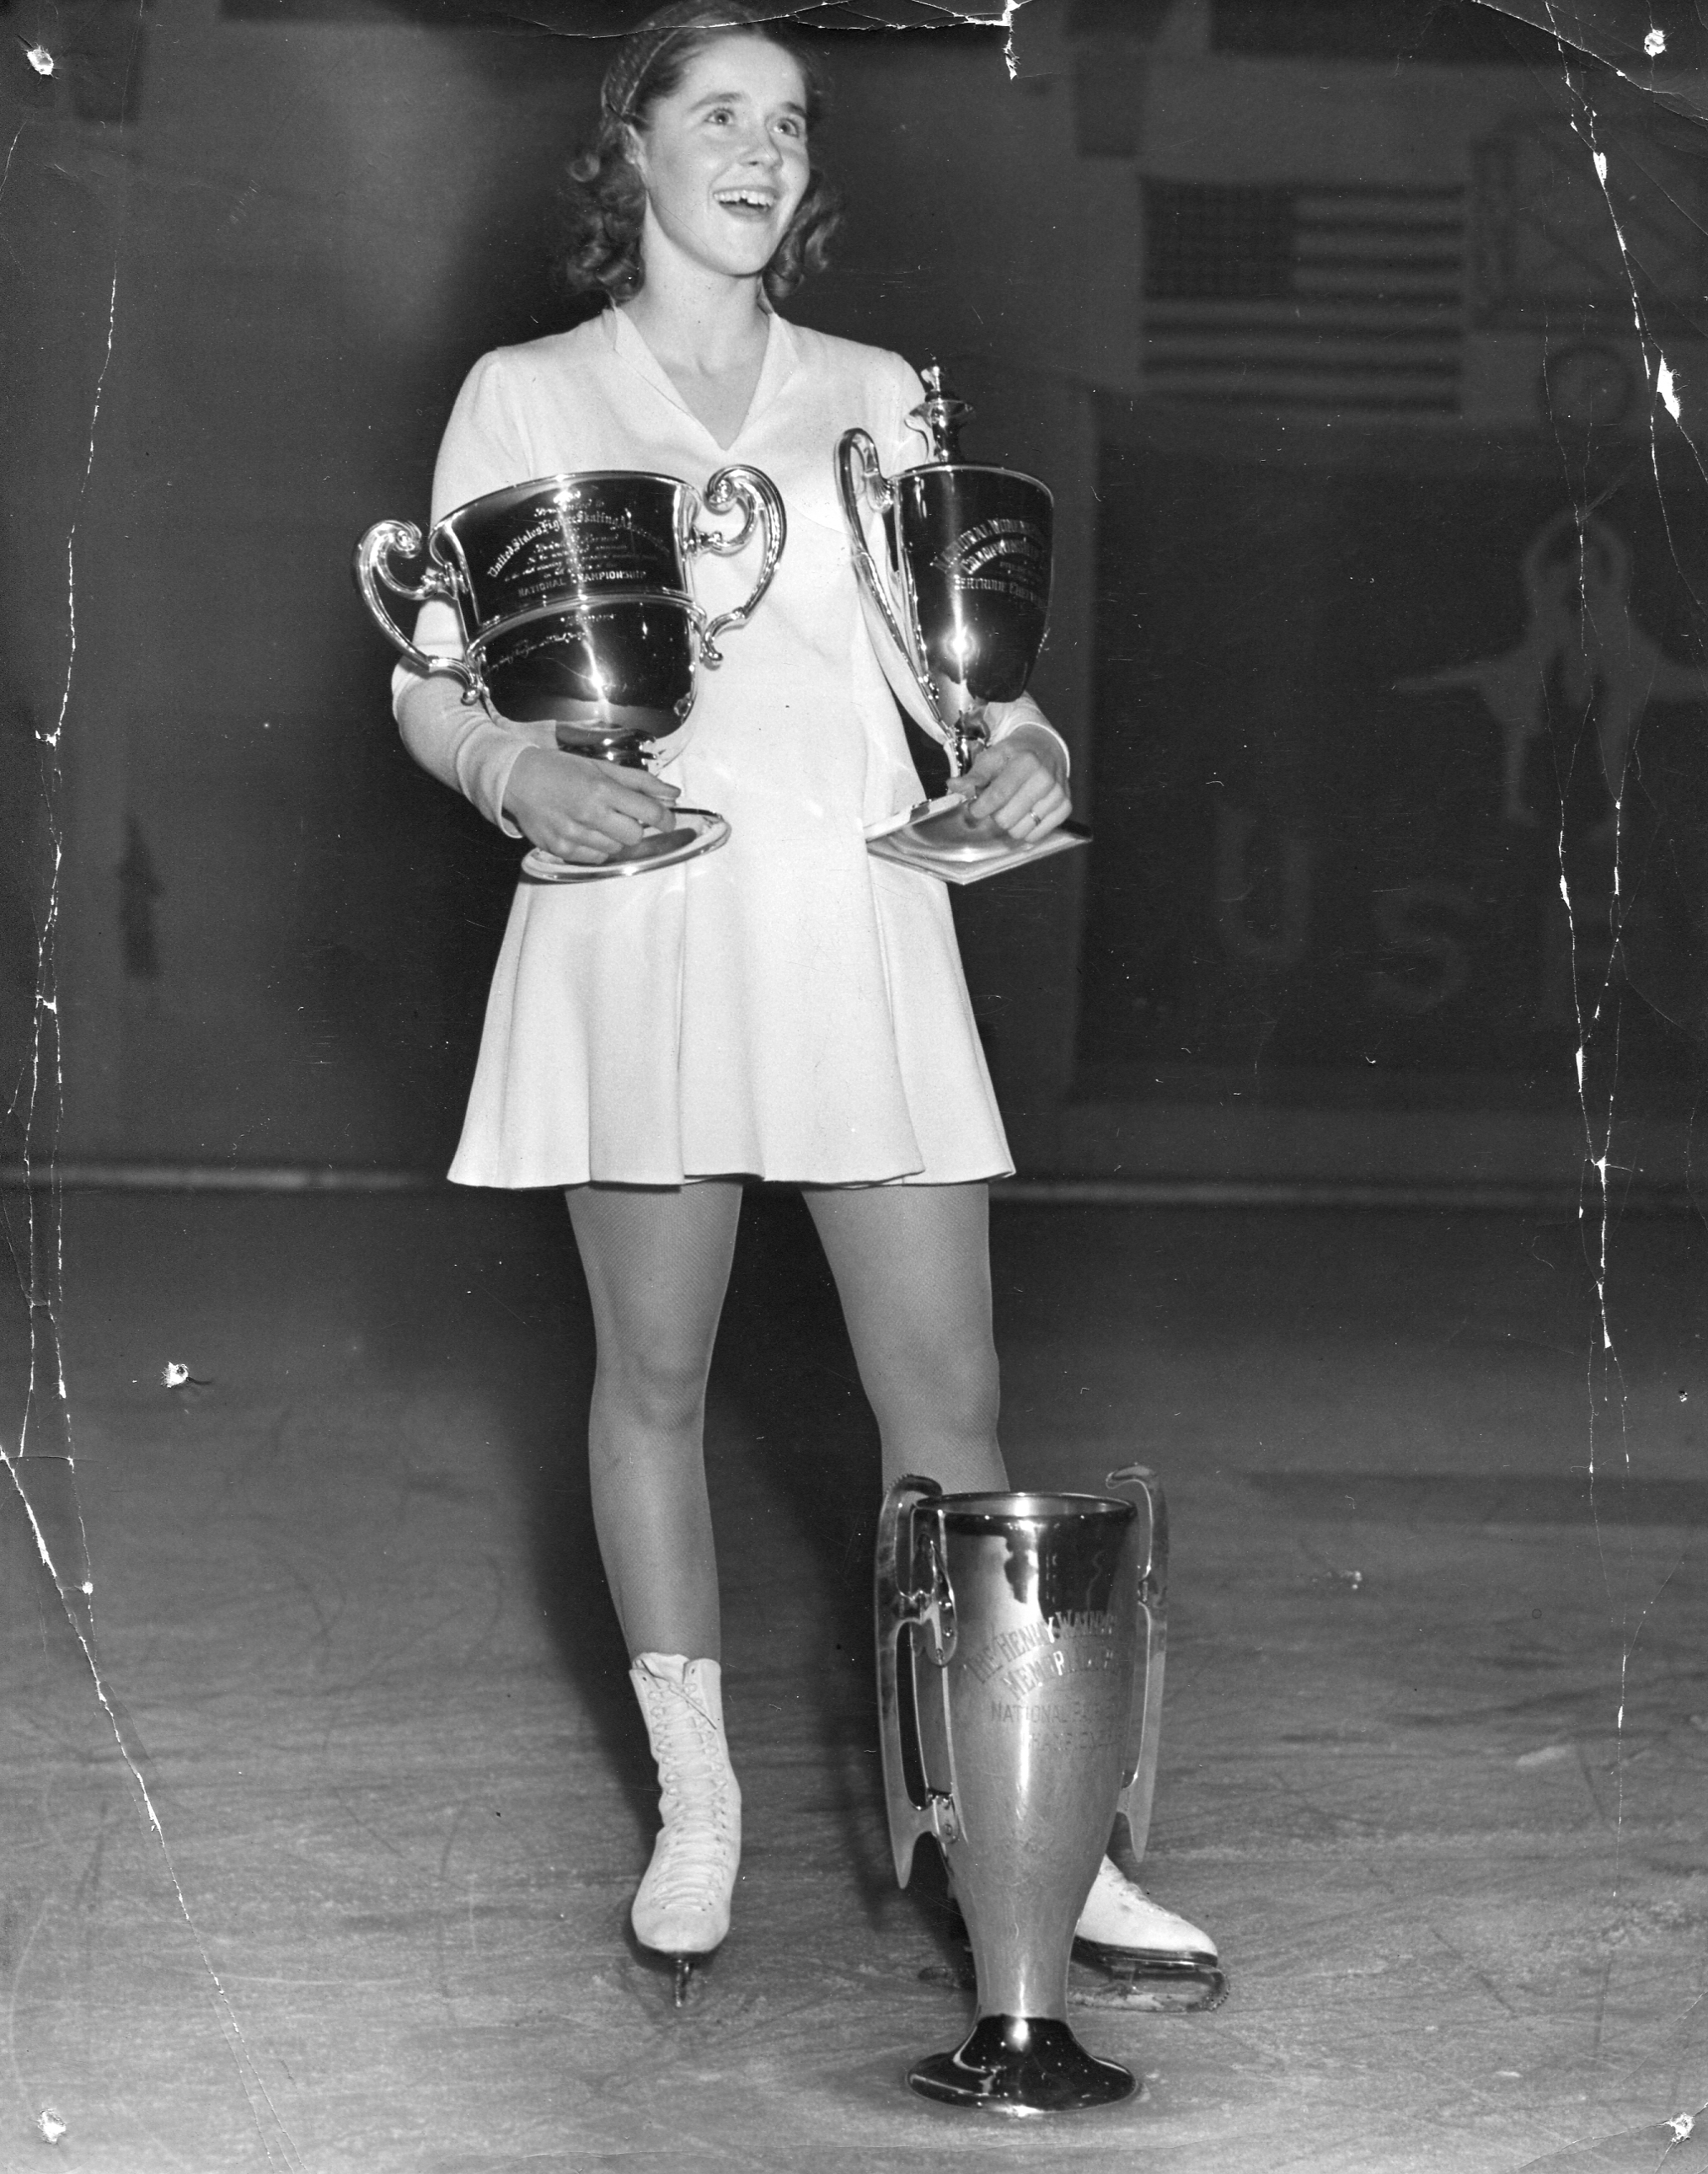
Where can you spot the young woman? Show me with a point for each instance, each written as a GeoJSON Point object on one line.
{"type": "Point", "coordinates": [786, 1008]}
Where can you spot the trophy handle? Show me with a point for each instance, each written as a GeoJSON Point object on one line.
{"type": "Point", "coordinates": [1138, 1773]}
{"type": "Point", "coordinates": [859, 470]}
{"type": "Point", "coordinates": [753, 490]}
{"type": "Point", "coordinates": [897, 1608]}
{"type": "Point", "coordinates": [371, 565]}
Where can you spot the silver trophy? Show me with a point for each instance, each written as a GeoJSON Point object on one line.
{"type": "Point", "coordinates": [960, 603]}
{"type": "Point", "coordinates": [1019, 1686]}
{"type": "Point", "coordinates": [576, 610]}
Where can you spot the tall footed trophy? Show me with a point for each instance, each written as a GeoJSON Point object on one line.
{"type": "Point", "coordinates": [1019, 1686]}
{"type": "Point", "coordinates": [577, 611]}
{"type": "Point", "coordinates": [960, 605]}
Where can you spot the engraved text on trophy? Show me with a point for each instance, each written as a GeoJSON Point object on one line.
{"type": "Point", "coordinates": [578, 548]}
{"type": "Point", "coordinates": [1008, 558]}
{"type": "Point", "coordinates": [1021, 1666]}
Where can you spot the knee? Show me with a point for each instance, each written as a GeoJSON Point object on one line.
{"type": "Point", "coordinates": [652, 1392]}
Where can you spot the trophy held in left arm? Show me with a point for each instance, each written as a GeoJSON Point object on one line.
{"type": "Point", "coordinates": [960, 603]}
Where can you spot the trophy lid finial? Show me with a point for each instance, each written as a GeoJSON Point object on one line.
{"type": "Point", "coordinates": [941, 415]}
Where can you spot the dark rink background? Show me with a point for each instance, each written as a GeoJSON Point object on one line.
{"type": "Point", "coordinates": [1363, 345]}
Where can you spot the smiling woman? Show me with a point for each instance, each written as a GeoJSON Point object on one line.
{"type": "Point", "coordinates": [786, 1008]}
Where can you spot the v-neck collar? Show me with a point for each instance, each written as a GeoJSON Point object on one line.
{"type": "Point", "coordinates": [629, 345]}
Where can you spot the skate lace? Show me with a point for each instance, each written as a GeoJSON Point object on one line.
{"type": "Point", "coordinates": [693, 1848]}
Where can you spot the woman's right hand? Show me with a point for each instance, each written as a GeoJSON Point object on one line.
{"type": "Point", "coordinates": [584, 811]}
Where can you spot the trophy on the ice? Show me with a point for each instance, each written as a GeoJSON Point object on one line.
{"type": "Point", "coordinates": [960, 605]}
{"type": "Point", "coordinates": [1020, 1685]}
{"type": "Point", "coordinates": [576, 611]}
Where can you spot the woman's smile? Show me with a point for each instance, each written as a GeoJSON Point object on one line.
{"type": "Point", "coordinates": [746, 201]}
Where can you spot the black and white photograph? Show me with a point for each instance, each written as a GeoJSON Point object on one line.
{"type": "Point", "coordinates": [853, 995]}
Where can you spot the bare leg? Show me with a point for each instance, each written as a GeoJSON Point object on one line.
{"type": "Point", "coordinates": [657, 1264]}
{"type": "Point", "coordinates": [912, 1265]}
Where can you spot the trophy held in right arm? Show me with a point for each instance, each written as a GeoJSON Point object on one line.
{"type": "Point", "coordinates": [576, 597]}
{"type": "Point", "coordinates": [960, 603]}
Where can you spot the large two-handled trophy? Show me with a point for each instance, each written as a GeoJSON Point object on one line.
{"type": "Point", "coordinates": [576, 609]}
{"type": "Point", "coordinates": [1020, 1685]}
{"type": "Point", "coordinates": [961, 603]}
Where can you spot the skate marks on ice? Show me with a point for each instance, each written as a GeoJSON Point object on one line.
{"type": "Point", "coordinates": [1678, 2146]}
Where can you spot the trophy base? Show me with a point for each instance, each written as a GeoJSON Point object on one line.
{"type": "Point", "coordinates": [1021, 2065]}
{"type": "Point", "coordinates": [938, 838]}
{"type": "Point", "coordinates": [697, 830]}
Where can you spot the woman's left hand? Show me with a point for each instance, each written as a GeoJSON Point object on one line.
{"type": "Point", "coordinates": [1021, 783]}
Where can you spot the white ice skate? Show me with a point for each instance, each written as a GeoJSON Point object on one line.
{"type": "Point", "coordinates": [681, 1907]}
{"type": "Point", "coordinates": [1155, 1958]}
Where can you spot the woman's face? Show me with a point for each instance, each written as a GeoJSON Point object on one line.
{"type": "Point", "coordinates": [724, 156]}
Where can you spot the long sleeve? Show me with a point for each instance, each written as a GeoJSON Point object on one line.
{"type": "Point", "coordinates": [484, 448]}
{"type": "Point", "coordinates": [457, 742]}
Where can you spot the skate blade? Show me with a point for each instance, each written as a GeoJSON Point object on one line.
{"type": "Point", "coordinates": [1114, 1977]}
{"type": "Point", "coordinates": [688, 1978]}
{"type": "Point", "coordinates": [687, 1972]}
{"type": "Point", "coordinates": [1153, 1984]}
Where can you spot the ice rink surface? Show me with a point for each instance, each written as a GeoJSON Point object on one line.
{"type": "Point", "coordinates": [324, 1864]}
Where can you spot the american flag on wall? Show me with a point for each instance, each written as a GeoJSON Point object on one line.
{"type": "Point", "coordinates": [1305, 298]}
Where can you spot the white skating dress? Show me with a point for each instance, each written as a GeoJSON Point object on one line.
{"type": "Point", "coordinates": [786, 1007]}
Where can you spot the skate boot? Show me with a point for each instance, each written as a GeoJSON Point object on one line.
{"type": "Point", "coordinates": [682, 1908]}
{"type": "Point", "coordinates": [1154, 1958]}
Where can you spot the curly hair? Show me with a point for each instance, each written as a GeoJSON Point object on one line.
{"type": "Point", "coordinates": [604, 198]}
